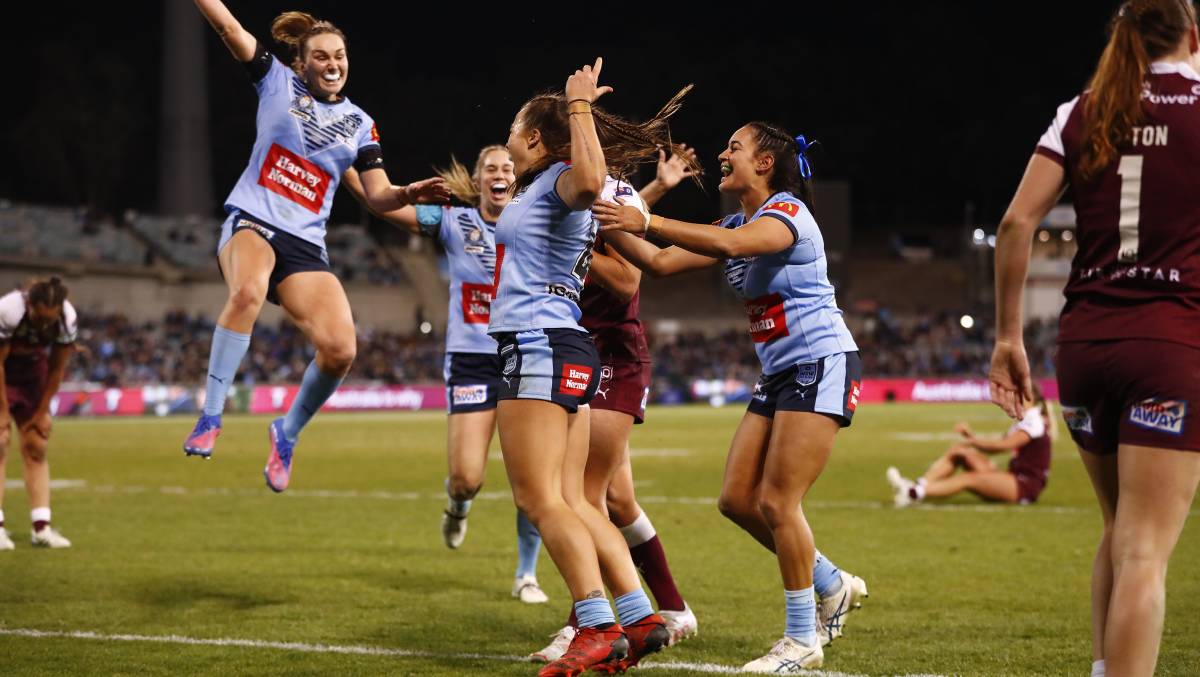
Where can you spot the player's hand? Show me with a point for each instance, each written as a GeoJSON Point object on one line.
{"type": "Point", "coordinates": [41, 423]}
{"type": "Point", "coordinates": [615, 216]}
{"type": "Point", "coordinates": [584, 84]}
{"type": "Point", "coordinates": [1009, 381]}
{"type": "Point", "coordinates": [963, 428]}
{"type": "Point", "coordinates": [673, 170]}
{"type": "Point", "coordinates": [427, 191]}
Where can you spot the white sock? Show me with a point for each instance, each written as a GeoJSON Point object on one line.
{"type": "Point", "coordinates": [639, 532]}
{"type": "Point", "coordinates": [1098, 668]}
{"type": "Point", "coordinates": [918, 489]}
{"type": "Point", "coordinates": [39, 515]}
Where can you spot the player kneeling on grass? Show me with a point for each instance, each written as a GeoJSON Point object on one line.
{"type": "Point", "coordinates": [1029, 440]}
{"type": "Point", "coordinates": [31, 321]}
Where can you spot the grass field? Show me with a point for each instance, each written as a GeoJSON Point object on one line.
{"type": "Point", "coordinates": [351, 557]}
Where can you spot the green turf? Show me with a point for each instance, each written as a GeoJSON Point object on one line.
{"type": "Point", "coordinates": [171, 546]}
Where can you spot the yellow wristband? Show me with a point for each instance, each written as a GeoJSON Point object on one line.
{"type": "Point", "coordinates": [578, 106]}
{"type": "Point", "coordinates": [655, 221]}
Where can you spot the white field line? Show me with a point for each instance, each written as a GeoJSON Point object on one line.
{"type": "Point", "coordinates": [354, 650]}
{"type": "Point", "coordinates": [504, 496]}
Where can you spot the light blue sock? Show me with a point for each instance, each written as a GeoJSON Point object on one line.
{"type": "Point", "coordinates": [529, 542]}
{"type": "Point", "coordinates": [827, 578]}
{"type": "Point", "coordinates": [633, 607]}
{"type": "Point", "coordinates": [801, 616]}
{"type": "Point", "coordinates": [228, 349]}
{"type": "Point", "coordinates": [591, 613]}
{"type": "Point", "coordinates": [315, 388]}
{"type": "Point", "coordinates": [455, 506]}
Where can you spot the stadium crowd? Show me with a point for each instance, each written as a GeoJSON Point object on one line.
{"type": "Point", "coordinates": [117, 352]}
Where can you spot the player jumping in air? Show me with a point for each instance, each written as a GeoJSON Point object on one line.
{"type": "Point", "coordinates": [272, 244]}
{"type": "Point", "coordinates": [33, 322]}
{"type": "Point", "coordinates": [775, 260]}
{"type": "Point", "coordinates": [1128, 366]}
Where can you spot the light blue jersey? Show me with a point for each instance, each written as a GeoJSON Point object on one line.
{"type": "Point", "coordinates": [789, 300]}
{"type": "Point", "coordinates": [470, 244]}
{"type": "Point", "coordinates": [543, 253]}
{"type": "Point", "coordinates": [303, 147]}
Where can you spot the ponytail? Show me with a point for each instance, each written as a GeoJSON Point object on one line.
{"type": "Point", "coordinates": [1140, 32]}
{"type": "Point", "coordinates": [48, 292]}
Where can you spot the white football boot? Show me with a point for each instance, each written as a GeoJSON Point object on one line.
{"type": "Point", "coordinates": [900, 486]}
{"type": "Point", "coordinates": [6, 540]}
{"type": "Point", "coordinates": [49, 538]}
{"type": "Point", "coordinates": [454, 529]}
{"type": "Point", "coordinates": [557, 647]}
{"type": "Point", "coordinates": [526, 589]}
{"type": "Point", "coordinates": [787, 657]}
{"type": "Point", "coordinates": [833, 610]}
{"type": "Point", "coordinates": [681, 624]}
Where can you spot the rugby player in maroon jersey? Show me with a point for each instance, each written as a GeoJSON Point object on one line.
{"type": "Point", "coordinates": [33, 322]}
{"type": "Point", "coordinates": [610, 314]}
{"type": "Point", "coordinates": [1129, 335]}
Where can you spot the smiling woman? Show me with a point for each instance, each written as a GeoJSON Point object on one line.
{"type": "Point", "coordinates": [272, 244]}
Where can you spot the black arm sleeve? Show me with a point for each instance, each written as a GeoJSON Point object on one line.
{"type": "Point", "coordinates": [260, 64]}
{"type": "Point", "coordinates": [369, 157]}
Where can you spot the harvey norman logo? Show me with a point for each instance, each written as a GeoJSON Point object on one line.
{"type": "Point", "coordinates": [1163, 415]}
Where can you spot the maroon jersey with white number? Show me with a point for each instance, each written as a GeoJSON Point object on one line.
{"type": "Point", "coordinates": [1137, 271]}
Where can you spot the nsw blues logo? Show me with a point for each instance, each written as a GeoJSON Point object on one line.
{"type": "Point", "coordinates": [807, 373]}
{"type": "Point", "coordinates": [1165, 416]}
{"type": "Point", "coordinates": [321, 134]}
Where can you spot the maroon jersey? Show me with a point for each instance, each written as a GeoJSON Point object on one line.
{"type": "Point", "coordinates": [614, 326]}
{"type": "Point", "coordinates": [27, 342]}
{"type": "Point", "coordinates": [1136, 274]}
{"type": "Point", "coordinates": [1033, 458]}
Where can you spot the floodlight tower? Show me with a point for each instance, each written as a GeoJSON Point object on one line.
{"type": "Point", "coordinates": [185, 157]}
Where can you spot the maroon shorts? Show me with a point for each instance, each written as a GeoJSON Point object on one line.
{"type": "Point", "coordinates": [1132, 391]}
{"type": "Point", "coordinates": [24, 381]}
{"type": "Point", "coordinates": [1029, 488]}
{"type": "Point", "coordinates": [624, 387]}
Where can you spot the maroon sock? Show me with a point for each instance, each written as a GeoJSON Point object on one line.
{"type": "Point", "coordinates": [572, 620]}
{"type": "Point", "coordinates": [40, 524]}
{"type": "Point", "coordinates": [652, 562]}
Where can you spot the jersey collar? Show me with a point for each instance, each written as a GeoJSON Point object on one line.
{"type": "Point", "coordinates": [1178, 67]}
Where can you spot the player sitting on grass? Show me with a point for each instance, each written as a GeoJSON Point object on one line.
{"type": "Point", "coordinates": [1028, 439]}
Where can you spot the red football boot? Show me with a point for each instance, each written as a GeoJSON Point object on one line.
{"type": "Point", "coordinates": [647, 636]}
{"type": "Point", "coordinates": [592, 648]}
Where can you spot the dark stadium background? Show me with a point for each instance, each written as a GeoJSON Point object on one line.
{"type": "Point", "coordinates": [924, 107]}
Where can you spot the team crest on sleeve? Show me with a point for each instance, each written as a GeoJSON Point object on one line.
{"type": "Point", "coordinates": [1165, 416]}
{"type": "Point", "coordinates": [374, 132]}
{"type": "Point", "coordinates": [789, 208]}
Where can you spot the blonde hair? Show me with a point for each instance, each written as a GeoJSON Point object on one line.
{"type": "Point", "coordinates": [1047, 409]}
{"type": "Point", "coordinates": [464, 185]}
{"type": "Point", "coordinates": [295, 28]}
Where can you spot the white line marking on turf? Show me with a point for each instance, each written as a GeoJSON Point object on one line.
{"type": "Point", "coordinates": [355, 650]}
{"type": "Point", "coordinates": [506, 496]}
{"type": "Point", "coordinates": [54, 484]}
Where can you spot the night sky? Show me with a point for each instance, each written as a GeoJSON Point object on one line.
{"type": "Point", "coordinates": [923, 107]}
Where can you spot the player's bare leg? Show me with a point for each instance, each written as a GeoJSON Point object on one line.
{"type": "Point", "coordinates": [317, 304]}
{"type": "Point", "coordinates": [995, 485]}
{"type": "Point", "coordinates": [1102, 470]}
{"type": "Point", "coordinates": [37, 485]}
{"type": "Point", "coordinates": [467, 438]}
{"type": "Point", "coordinates": [958, 456]}
{"type": "Point", "coordinates": [1157, 487]}
{"type": "Point", "coordinates": [743, 474]}
{"type": "Point", "coordinates": [246, 263]}
{"type": "Point", "coordinates": [5, 433]}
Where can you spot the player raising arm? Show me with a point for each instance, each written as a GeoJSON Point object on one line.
{"type": "Point", "coordinates": [272, 244]}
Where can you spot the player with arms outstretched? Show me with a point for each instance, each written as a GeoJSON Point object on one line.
{"type": "Point", "coordinates": [774, 258]}
{"type": "Point", "coordinates": [1129, 335]}
{"type": "Point", "coordinates": [472, 367]}
{"type": "Point", "coordinates": [33, 322]}
{"type": "Point", "coordinates": [272, 244]}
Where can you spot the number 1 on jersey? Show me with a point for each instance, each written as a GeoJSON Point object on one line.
{"type": "Point", "coordinates": [1130, 171]}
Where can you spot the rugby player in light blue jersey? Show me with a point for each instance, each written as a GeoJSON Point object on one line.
{"type": "Point", "coordinates": [774, 258]}
{"type": "Point", "coordinates": [272, 244]}
{"type": "Point", "coordinates": [472, 367]}
{"type": "Point", "coordinates": [549, 367]}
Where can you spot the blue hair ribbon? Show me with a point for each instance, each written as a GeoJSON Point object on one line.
{"type": "Point", "coordinates": [802, 146]}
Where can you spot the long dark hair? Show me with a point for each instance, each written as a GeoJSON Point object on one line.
{"type": "Point", "coordinates": [1140, 32]}
{"type": "Point", "coordinates": [785, 149]}
{"type": "Point", "coordinates": [49, 292]}
{"type": "Point", "coordinates": [626, 144]}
